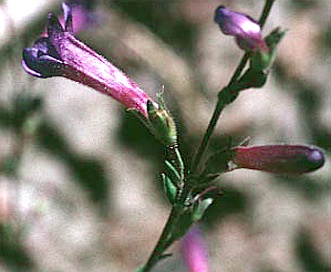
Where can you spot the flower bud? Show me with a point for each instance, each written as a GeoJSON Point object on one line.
{"type": "Point", "coordinates": [246, 30]}
{"type": "Point", "coordinates": [282, 159]}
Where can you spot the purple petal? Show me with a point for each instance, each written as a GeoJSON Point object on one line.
{"type": "Point", "coordinates": [67, 11]}
{"type": "Point", "coordinates": [28, 69]}
{"type": "Point", "coordinates": [246, 30]}
{"type": "Point", "coordinates": [42, 60]}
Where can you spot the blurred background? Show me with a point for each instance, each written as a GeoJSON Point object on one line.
{"type": "Point", "coordinates": [79, 186]}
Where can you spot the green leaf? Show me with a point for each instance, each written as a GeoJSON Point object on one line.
{"type": "Point", "coordinates": [172, 172]}
{"type": "Point", "coordinates": [169, 187]}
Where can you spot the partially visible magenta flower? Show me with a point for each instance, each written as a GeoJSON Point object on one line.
{"type": "Point", "coordinates": [245, 29]}
{"type": "Point", "coordinates": [83, 16]}
{"type": "Point", "coordinates": [194, 251]}
{"type": "Point", "coordinates": [282, 159]}
{"type": "Point", "coordinates": [61, 54]}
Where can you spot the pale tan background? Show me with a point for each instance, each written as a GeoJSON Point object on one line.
{"type": "Point", "coordinates": [85, 195]}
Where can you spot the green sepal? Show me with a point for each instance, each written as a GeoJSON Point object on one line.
{"type": "Point", "coordinates": [252, 79]}
{"type": "Point", "coordinates": [272, 41]}
{"type": "Point", "coordinates": [274, 38]}
{"type": "Point", "coordinates": [140, 117]}
{"type": "Point", "coordinates": [262, 60]}
{"type": "Point", "coordinates": [221, 162]}
{"type": "Point", "coordinates": [218, 162]}
{"type": "Point", "coordinates": [200, 207]}
{"type": "Point", "coordinates": [169, 187]}
{"type": "Point", "coordinates": [162, 124]}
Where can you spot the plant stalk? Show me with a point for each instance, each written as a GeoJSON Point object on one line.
{"type": "Point", "coordinates": [165, 239]}
{"type": "Point", "coordinates": [223, 100]}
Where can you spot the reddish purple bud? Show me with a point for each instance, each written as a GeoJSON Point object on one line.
{"type": "Point", "coordinates": [282, 159]}
{"type": "Point", "coordinates": [246, 30]}
{"type": "Point", "coordinates": [194, 251]}
{"type": "Point", "coordinates": [61, 54]}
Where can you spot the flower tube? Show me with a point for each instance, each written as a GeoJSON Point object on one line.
{"type": "Point", "coordinates": [62, 54]}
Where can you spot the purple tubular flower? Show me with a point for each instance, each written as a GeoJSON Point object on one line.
{"type": "Point", "coordinates": [194, 251]}
{"type": "Point", "coordinates": [246, 30]}
{"type": "Point", "coordinates": [282, 159]}
{"type": "Point", "coordinates": [61, 54]}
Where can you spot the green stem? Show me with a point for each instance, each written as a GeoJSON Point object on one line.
{"type": "Point", "coordinates": [266, 12]}
{"type": "Point", "coordinates": [224, 96]}
{"type": "Point", "coordinates": [161, 245]}
{"type": "Point", "coordinates": [165, 239]}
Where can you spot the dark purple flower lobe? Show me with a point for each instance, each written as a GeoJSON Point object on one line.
{"type": "Point", "coordinates": [42, 59]}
